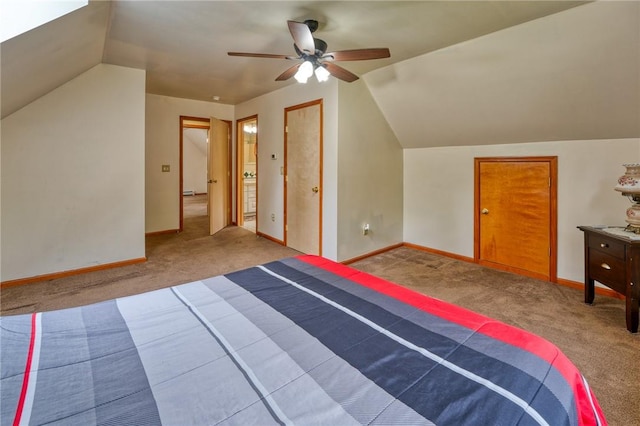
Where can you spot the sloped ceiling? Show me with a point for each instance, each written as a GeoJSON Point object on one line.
{"type": "Point", "coordinates": [36, 62]}
{"type": "Point", "coordinates": [182, 46]}
{"type": "Point", "coordinates": [574, 75]}
{"type": "Point", "coordinates": [198, 138]}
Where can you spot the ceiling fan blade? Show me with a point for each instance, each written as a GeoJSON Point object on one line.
{"type": "Point", "coordinates": [260, 55]}
{"type": "Point", "coordinates": [290, 72]}
{"type": "Point", "coordinates": [358, 54]}
{"type": "Point", "coordinates": [339, 72]}
{"type": "Point", "coordinates": [302, 36]}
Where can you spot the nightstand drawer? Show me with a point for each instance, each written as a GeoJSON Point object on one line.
{"type": "Point", "coordinates": [611, 246]}
{"type": "Point", "coordinates": [607, 270]}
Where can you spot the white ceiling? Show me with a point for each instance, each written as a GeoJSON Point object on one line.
{"type": "Point", "coordinates": [571, 76]}
{"type": "Point", "coordinates": [182, 45]}
{"type": "Point", "coordinates": [461, 72]}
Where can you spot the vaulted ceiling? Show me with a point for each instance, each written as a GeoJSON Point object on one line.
{"type": "Point", "coordinates": [183, 47]}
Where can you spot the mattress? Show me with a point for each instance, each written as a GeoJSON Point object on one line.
{"type": "Point", "coordinates": [303, 341]}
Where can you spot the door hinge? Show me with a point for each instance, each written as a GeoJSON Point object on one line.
{"type": "Point", "coordinates": [286, 129]}
{"type": "Point", "coordinates": [549, 182]}
{"type": "Point", "coordinates": [286, 228]}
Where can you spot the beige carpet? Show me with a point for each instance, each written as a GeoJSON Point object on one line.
{"type": "Point", "coordinates": [593, 337]}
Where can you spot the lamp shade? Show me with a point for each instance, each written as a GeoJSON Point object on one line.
{"type": "Point", "coordinates": [629, 183]}
{"type": "Point", "coordinates": [304, 72]}
{"type": "Point", "coordinates": [322, 74]}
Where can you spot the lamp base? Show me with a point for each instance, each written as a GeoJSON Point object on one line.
{"type": "Point", "coordinates": [632, 228]}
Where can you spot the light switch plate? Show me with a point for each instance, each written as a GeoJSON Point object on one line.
{"type": "Point", "coordinates": [166, 168]}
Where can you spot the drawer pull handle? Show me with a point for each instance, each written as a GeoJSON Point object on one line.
{"type": "Point", "coordinates": [604, 245]}
{"type": "Point", "coordinates": [605, 266]}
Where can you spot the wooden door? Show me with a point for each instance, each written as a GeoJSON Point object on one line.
{"type": "Point", "coordinates": [515, 215]}
{"type": "Point", "coordinates": [218, 175]}
{"type": "Point", "coordinates": [303, 177]}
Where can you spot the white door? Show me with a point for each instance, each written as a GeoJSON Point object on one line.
{"type": "Point", "coordinates": [303, 190]}
{"type": "Point", "coordinates": [218, 174]}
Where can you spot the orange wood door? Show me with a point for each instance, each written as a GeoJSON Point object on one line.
{"type": "Point", "coordinates": [515, 215]}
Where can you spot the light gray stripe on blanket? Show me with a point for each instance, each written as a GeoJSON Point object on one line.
{"type": "Point", "coordinates": [236, 357]}
{"type": "Point", "coordinates": [356, 394]}
{"type": "Point", "coordinates": [65, 371]}
{"type": "Point", "coordinates": [198, 362]}
{"type": "Point", "coordinates": [81, 349]}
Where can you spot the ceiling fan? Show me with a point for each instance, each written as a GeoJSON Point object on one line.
{"type": "Point", "coordinates": [315, 58]}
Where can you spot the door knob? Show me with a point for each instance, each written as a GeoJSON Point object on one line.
{"type": "Point", "coordinates": [212, 181]}
{"type": "Point", "coordinates": [315, 189]}
{"type": "Point", "coordinates": [485, 211]}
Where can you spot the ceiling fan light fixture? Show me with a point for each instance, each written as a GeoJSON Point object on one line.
{"type": "Point", "coordinates": [313, 52]}
{"type": "Point", "coordinates": [322, 74]}
{"type": "Point", "coordinates": [304, 72]}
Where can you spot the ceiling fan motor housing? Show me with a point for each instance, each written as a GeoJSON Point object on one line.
{"type": "Point", "coordinates": [312, 24]}
{"type": "Point", "coordinates": [320, 45]}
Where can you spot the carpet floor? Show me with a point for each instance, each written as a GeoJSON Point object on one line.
{"type": "Point", "coordinates": [593, 337]}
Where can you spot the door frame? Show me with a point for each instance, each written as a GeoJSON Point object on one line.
{"type": "Point", "coordinates": [320, 103]}
{"type": "Point", "coordinates": [206, 125]}
{"type": "Point", "coordinates": [240, 145]}
{"type": "Point", "coordinates": [553, 211]}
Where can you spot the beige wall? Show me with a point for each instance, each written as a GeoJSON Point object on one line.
{"type": "Point", "coordinates": [573, 75]}
{"type": "Point", "coordinates": [270, 111]}
{"type": "Point", "coordinates": [483, 89]}
{"type": "Point", "coordinates": [162, 123]}
{"type": "Point", "coordinates": [358, 146]}
{"type": "Point", "coordinates": [439, 193]}
{"type": "Point", "coordinates": [73, 176]}
{"type": "Point", "coordinates": [369, 175]}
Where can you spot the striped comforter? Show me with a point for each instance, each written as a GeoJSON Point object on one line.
{"type": "Point", "coordinates": [299, 341]}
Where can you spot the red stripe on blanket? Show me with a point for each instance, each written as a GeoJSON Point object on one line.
{"type": "Point", "coordinates": [27, 371]}
{"type": "Point", "coordinates": [472, 320]}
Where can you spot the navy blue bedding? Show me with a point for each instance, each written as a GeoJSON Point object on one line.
{"type": "Point", "coordinates": [298, 341]}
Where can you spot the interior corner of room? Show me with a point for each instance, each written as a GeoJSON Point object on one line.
{"type": "Point", "coordinates": [89, 145]}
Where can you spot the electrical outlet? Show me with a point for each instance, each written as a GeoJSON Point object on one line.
{"type": "Point", "coordinates": [273, 217]}
{"type": "Point", "coordinates": [166, 168]}
{"type": "Point", "coordinates": [365, 229]}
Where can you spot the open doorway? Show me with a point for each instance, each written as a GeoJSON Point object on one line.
{"type": "Point", "coordinates": [193, 176]}
{"type": "Point", "coordinates": [247, 167]}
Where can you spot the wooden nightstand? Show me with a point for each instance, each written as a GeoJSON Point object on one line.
{"type": "Point", "coordinates": [612, 257]}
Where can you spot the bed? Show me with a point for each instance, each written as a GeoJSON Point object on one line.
{"type": "Point", "coordinates": [302, 341]}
